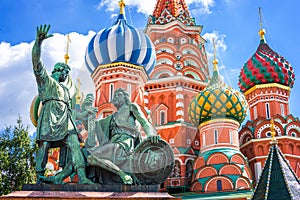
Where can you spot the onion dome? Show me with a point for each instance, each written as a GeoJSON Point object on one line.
{"type": "Point", "coordinates": [266, 66]}
{"type": "Point", "coordinates": [218, 101]}
{"type": "Point", "coordinates": [120, 43]}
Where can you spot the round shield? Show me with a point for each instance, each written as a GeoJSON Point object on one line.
{"type": "Point", "coordinates": [152, 163]}
{"type": "Point", "coordinates": [35, 110]}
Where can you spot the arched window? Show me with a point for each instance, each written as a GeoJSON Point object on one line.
{"type": "Point", "coordinates": [176, 170]}
{"type": "Point", "coordinates": [255, 112]}
{"type": "Point", "coordinates": [231, 137]}
{"type": "Point", "coordinates": [111, 92]}
{"type": "Point", "coordinates": [189, 169]}
{"type": "Point", "coordinates": [171, 40]}
{"type": "Point", "coordinates": [162, 112]}
{"type": "Point", "coordinates": [129, 90]}
{"type": "Point", "coordinates": [183, 40]}
{"type": "Point", "coordinates": [216, 135]}
{"type": "Point", "coordinates": [282, 109]}
{"type": "Point", "coordinates": [162, 117]}
{"type": "Point", "coordinates": [219, 185]}
{"type": "Point", "coordinates": [267, 110]}
{"type": "Point", "coordinates": [257, 169]}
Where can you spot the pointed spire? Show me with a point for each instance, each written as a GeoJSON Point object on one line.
{"type": "Point", "coordinates": [67, 57]}
{"type": "Point", "coordinates": [215, 79]}
{"type": "Point", "coordinates": [215, 61]}
{"type": "Point", "coordinates": [277, 179]}
{"type": "Point", "coordinates": [261, 31]}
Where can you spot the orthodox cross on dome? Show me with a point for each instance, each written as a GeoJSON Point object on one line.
{"type": "Point", "coordinates": [216, 79]}
{"type": "Point", "coordinates": [261, 31]}
{"type": "Point", "coordinates": [78, 92]}
{"type": "Point", "coordinates": [67, 57]}
{"type": "Point", "coordinates": [122, 6]}
{"type": "Point", "coordinates": [215, 61]}
{"type": "Point", "coordinates": [272, 128]}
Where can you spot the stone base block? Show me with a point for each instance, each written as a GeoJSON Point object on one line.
{"type": "Point", "coordinates": [64, 195]}
{"type": "Point", "coordinates": [90, 192]}
{"type": "Point", "coordinates": [74, 187]}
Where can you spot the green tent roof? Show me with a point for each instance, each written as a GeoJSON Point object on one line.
{"type": "Point", "coordinates": [277, 180]}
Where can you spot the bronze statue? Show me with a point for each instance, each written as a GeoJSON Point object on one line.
{"type": "Point", "coordinates": [117, 136]}
{"type": "Point", "coordinates": [119, 155]}
{"type": "Point", "coordinates": [118, 150]}
{"type": "Point", "coordinates": [56, 128]}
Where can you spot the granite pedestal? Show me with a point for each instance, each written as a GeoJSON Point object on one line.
{"type": "Point", "coordinates": [90, 192]}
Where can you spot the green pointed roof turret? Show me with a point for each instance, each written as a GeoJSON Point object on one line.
{"type": "Point", "coordinates": [277, 180]}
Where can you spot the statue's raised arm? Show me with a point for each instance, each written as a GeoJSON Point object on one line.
{"type": "Point", "coordinates": [41, 35]}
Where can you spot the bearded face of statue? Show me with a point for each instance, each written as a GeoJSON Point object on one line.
{"type": "Point", "coordinates": [89, 100]}
{"type": "Point", "coordinates": [119, 99]}
{"type": "Point", "coordinates": [60, 72]}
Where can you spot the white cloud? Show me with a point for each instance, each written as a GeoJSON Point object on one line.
{"type": "Point", "coordinates": [220, 43]}
{"type": "Point", "coordinates": [220, 47]}
{"type": "Point", "coordinates": [219, 39]}
{"type": "Point", "coordinates": [147, 6]}
{"type": "Point", "coordinates": [18, 86]}
{"type": "Point", "coordinates": [222, 67]}
{"type": "Point", "coordinates": [201, 7]}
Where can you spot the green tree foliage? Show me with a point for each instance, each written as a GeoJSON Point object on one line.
{"type": "Point", "coordinates": [16, 158]}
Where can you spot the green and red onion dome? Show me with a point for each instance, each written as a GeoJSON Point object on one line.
{"type": "Point", "coordinates": [266, 66]}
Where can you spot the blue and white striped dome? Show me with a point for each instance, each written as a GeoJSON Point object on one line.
{"type": "Point", "coordinates": [120, 43]}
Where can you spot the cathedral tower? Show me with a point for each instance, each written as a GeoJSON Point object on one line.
{"type": "Point", "coordinates": [266, 80]}
{"type": "Point", "coordinates": [181, 71]}
{"type": "Point", "coordinates": [218, 111]}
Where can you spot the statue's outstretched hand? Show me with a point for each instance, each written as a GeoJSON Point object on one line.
{"type": "Point", "coordinates": [154, 138]}
{"type": "Point", "coordinates": [42, 33]}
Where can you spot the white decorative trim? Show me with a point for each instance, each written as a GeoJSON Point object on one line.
{"type": "Point", "coordinates": [180, 120]}
{"type": "Point", "coordinates": [179, 96]}
{"type": "Point", "coordinates": [291, 127]}
{"type": "Point", "coordinates": [179, 89]}
{"type": "Point", "coordinates": [179, 112]}
{"type": "Point", "coordinates": [179, 105]}
{"type": "Point", "coordinates": [243, 136]}
{"type": "Point", "coordinates": [267, 126]}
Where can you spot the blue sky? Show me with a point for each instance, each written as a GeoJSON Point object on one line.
{"type": "Point", "coordinates": [234, 24]}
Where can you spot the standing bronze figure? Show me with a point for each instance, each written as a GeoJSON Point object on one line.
{"type": "Point", "coordinates": [56, 128]}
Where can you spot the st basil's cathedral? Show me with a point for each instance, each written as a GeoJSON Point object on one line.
{"type": "Point", "coordinates": [165, 70]}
